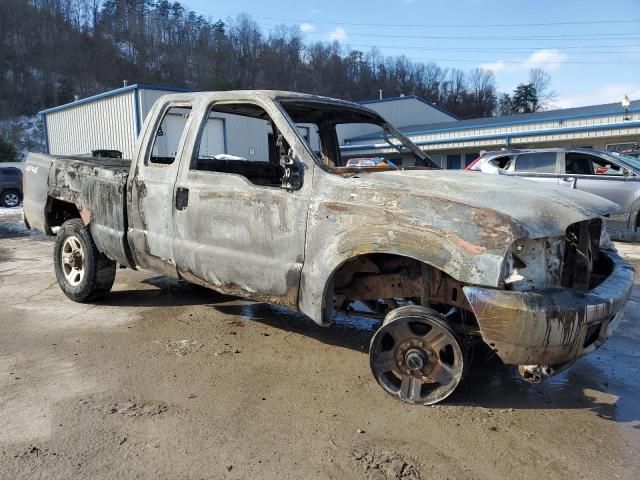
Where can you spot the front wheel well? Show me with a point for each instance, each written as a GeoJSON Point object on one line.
{"type": "Point", "coordinates": [381, 282]}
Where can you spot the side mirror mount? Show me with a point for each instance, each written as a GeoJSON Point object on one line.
{"type": "Point", "coordinates": [292, 171]}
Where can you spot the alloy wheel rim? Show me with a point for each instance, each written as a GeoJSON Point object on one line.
{"type": "Point", "coordinates": [72, 261]}
{"type": "Point", "coordinates": [416, 360]}
{"type": "Point", "coordinates": [11, 200]}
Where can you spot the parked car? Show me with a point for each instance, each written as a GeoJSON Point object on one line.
{"type": "Point", "coordinates": [613, 176]}
{"type": "Point", "coordinates": [631, 153]}
{"type": "Point", "coordinates": [445, 264]}
{"type": "Point", "coordinates": [10, 186]}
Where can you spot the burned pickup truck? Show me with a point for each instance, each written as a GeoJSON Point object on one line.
{"type": "Point", "coordinates": [445, 259]}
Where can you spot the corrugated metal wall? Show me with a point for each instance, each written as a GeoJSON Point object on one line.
{"type": "Point", "coordinates": [106, 123]}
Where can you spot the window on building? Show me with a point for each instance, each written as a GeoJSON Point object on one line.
{"type": "Point", "coordinates": [241, 139]}
{"type": "Point", "coordinates": [621, 147]}
{"type": "Point", "coordinates": [168, 135]}
{"type": "Point", "coordinates": [454, 162]}
{"type": "Point", "coordinates": [536, 162]}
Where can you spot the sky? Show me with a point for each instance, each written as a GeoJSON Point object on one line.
{"type": "Point", "coordinates": [590, 48]}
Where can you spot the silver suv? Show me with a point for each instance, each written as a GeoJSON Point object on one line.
{"type": "Point", "coordinates": [613, 176]}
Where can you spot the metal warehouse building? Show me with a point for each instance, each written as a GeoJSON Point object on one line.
{"type": "Point", "coordinates": [112, 121]}
{"type": "Point", "coordinates": [109, 121]}
{"type": "Point", "coordinates": [455, 144]}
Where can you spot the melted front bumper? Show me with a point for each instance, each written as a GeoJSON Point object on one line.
{"type": "Point", "coordinates": [555, 325]}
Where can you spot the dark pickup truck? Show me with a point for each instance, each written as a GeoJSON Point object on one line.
{"type": "Point", "coordinates": [445, 259]}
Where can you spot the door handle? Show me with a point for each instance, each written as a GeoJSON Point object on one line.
{"type": "Point", "coordinates": [182, 198]}
{"type": "Point", "coordinates": [571, 180]}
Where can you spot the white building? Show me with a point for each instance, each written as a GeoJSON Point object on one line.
{"type": "Point", "coordinates": [400, 111]}
{"type": "Point", "coordinates": [456, 144]}
{"type": "Point", "coordinates": [109, 121]}
{"type": "Point", "coordinates": [112, 121]}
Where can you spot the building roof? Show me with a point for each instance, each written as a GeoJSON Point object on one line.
{"type": "Point", "coordinates": [111, 93]}
{"type": "Point", "coordinates": [409, 97]}
{"type": "Point", "coordinates": [508, 120]}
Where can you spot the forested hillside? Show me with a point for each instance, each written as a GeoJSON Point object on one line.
{"type": "Point", "coordinates": [53, 50]}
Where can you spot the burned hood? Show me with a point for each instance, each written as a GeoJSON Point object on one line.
{"type": "Point", "coordinates": [528, 208]}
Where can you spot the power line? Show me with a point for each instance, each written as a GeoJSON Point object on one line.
{"type": "Point", "coordinates": [612, 36]}
{"type": "Point", "coordinates": [475, 38]}
{"type": "Point", "coordinates": [540, 62]}
{"type": "Point", "coordinates": [491, 50]}
{"type": "Point", "coordinates": [439, 25]}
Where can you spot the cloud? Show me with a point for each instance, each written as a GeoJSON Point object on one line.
{"type": "Point", "coordinates": [307, 27]}
{"type": "Point", "coordinates": [338, 34]}
{"type": "Point", "coordinates": [611, 93]}
{"type": "Point", "coordinates": [547, 59]}
{"type": "Point", "coordinates": [496, 67]}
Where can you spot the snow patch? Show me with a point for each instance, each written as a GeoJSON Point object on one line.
{"type": "Point", "coordinates": [7, 212]}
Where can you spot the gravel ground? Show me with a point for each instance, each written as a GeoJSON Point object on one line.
{"type": "Point", "coordinates": [164, 380]}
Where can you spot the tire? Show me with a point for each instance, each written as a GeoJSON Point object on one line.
{"type": "Point", "coordinates": [10, 198]}
{"type": "Point", "coordinates": [83, 273]}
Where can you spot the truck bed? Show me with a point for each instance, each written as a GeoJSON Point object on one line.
{"type": "Point", "coordinates": [96, 187]}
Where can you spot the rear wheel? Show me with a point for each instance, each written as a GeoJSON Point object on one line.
{"type": "Point", "coordinates": [83, 273]}
{"type": "Point", "coordinates": [416, 357]}
{"type": "Point", "coordinates": [10, 198]}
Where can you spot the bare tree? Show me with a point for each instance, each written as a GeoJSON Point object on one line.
{"type": "Point", "coordinates": [482, 92]}
{"type": "Point", "coordinates": [541, 81]}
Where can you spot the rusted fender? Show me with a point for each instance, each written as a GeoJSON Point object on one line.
{"type": "Point", "coordinates": [99, 195]}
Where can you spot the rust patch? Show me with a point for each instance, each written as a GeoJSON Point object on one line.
{"type": "Point", "coordinates": [337, 207]}
{"type": "Point", "coordinates": [289, 299]}
{"type": "Point", "coordinates": [85, 215]}
{"type": "Point", "coordinates": [471, 247]}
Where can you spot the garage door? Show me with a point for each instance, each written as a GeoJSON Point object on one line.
{"type": "Point", "coordinates": [213, 138]}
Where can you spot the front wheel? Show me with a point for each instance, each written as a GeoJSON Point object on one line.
{"type": "Point", "coordinates": [83, 273]}
{"type": "Point", "coordinates": [415, 356]}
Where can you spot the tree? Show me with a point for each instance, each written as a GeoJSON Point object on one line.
{"type": "Point", "coordinates": [541, 81]}
{"type": "Point", "coordinates": [525, 98]}
{"type": "Point", "coordinates": [505, 105]}
{"type": "Point", "coordinates": [482, 92]}
{"type": "Point", "coordinates": [8, 151]}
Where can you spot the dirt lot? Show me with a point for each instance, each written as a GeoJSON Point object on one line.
{"type": "Point", "coordinates": [163, 380]}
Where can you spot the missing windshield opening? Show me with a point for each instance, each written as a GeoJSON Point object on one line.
{"type": "Point", "coordinates": [338, 136]}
